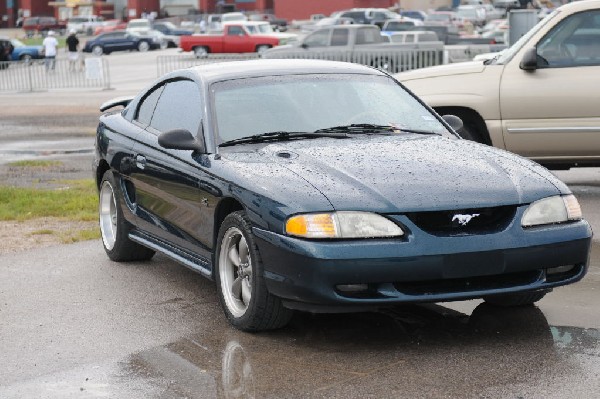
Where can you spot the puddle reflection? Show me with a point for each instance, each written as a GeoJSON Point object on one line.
{"type": "Point", "coordinates": [371, 354]}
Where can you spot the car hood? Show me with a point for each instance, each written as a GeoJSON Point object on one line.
{"type": "Point", "coordinates": [388, 174]}
{"type": "Point", "coordinates": [459, 68]}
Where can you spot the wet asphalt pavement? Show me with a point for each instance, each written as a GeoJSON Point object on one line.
{"type": "Point", "coordinates": [75, 325]}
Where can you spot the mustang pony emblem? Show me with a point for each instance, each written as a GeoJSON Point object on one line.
{"type": "Point", "coordinates": [464, 219]}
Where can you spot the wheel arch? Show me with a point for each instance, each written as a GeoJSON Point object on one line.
{"type": "Point", "coordinates": [102, 168]}
{"type": "Point", "coordinates": [468, 114]}
{"type": "Point", "coordinates": [225, 207]}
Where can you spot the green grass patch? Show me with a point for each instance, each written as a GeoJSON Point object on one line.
{"type": "Point", "coordinates": [78, 201]}
{"type": "Point", "coordinates": [37, 41]}
{"type": "Point", "coordinates": [79, 235]}
{"type": "Point", "coordinates": [42, 232]}
{"type": "Point", "coordinates": [34, 164]}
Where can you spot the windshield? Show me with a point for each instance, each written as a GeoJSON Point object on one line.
{"type": "Point", "coordinates": [139, 25]}
{"type": "Point", "coordinates": [306, 103]}
{"type": "Point", "coordinates": [509, 53]}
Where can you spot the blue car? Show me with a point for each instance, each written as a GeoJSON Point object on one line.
{"type": "Point", "coordinates": [107, 43]}
{"type": "Point", "coordinates": [21, 51]}
{"type": "Point", "coordinates": [326, 187]}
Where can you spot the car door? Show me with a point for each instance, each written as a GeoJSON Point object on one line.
{"type": "Point", "coordinates": [554, 111]}
{"type": "Point", "coordinates": [113, 41]}
{"type": "Point", "coordinates": [175, 191]}
{"type": "Point", "coordinates": [236, 40]}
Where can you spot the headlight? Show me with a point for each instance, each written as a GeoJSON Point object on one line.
{"type": "Point", "coordinates": [341, 225]}
{"type": "Point", "coordinates": [550, 210]}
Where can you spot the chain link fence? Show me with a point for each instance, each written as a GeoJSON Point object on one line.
{"type": "Point", "coordinates": [41, 75]}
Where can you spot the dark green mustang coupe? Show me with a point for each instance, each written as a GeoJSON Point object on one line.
{"type": "Point", "coordinates": [326, 187]}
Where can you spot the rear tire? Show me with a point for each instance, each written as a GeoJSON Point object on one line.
{"type": "Point", "coordinates": [200, 52]}
{"type": "Point", "coordinates": [97, 50]}
{"type": "Point", "coordinates": [241, 287]}
{"type": "Point", "coordinates": [113, 226]}
{"type": "Point", "coordinates": [517, 299]}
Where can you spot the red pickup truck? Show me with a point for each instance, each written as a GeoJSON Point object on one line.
{"type": "Point", "coordinates": [43, 25]}
{"type": "Point", "coordinates": [234, 39]}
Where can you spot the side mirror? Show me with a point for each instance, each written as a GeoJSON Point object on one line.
{"type": "Point", "coordinates": [304, 46]}
{"type": "Point", "coordinates": [454, 121]}
{"type": "Point", "coordinates": [180, 139]}
{"type": "Point", "coordinates": [529, 61]}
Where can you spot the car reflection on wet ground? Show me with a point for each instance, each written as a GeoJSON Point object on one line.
{"type": "Point", "coordinates": [410, 351]}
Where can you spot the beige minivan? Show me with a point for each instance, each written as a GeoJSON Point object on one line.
{"type": "Point", "coordinates": [540, 98]}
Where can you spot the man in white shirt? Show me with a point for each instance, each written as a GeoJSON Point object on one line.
{"type": "Point", "coordinates": [50, 44]}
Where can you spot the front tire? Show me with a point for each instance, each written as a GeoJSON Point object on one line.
{"type": "Point", "coordinates": [262, 48]}
{"type": "Point", "coordinates": [241, 287]}
{"type": "Point", "coordinates": [113, 226]}
{"type": "Point", "coordinates": [143, 47]}
{"type": "Point", "coordinates": [516, 299]}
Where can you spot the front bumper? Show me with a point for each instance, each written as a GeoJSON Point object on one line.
{"type": "Point", "coordinates": [307, 274]}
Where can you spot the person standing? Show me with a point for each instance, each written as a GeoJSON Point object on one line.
{"type": "Point", "coordinates": [73, 49]}
{"type": "Point", "coordinates": [50, 45]}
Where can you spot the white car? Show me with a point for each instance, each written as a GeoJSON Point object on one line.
{"type": "Point", "coordinates": [139, 25]}
{"type": "Point", "coordinates": [84, 24]}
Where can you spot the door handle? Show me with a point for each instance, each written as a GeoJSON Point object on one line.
{"type": "Point", "coordinates": [140, 161]}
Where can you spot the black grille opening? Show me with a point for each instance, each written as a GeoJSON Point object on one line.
{"type": "Point", "coordinates": [464, 221]}
{"type": "Point", "coordinates": [467, 284]}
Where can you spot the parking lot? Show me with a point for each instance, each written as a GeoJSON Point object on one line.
{"type": "Point", "coordinates": [75, 324]}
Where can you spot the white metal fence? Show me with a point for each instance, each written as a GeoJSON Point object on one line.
{"type": "Point", "coordinates": [170, 63]}
{"type": "Point", "coordinates": [38, 75]}
{"type": "Point", "coordinates": [392, 62]}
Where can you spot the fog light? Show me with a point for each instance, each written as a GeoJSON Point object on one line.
{"type": "Point", "coordinates": [559, 269]}
{"type": "Point", "coordinates": [352, 288]}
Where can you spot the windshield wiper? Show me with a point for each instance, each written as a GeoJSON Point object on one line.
{"type": "Point", "coordinates": [367, 128]}
{"type": "Point", "coordinates": [359, 128]}
{"type": "Point", "coordinates": [416, 131]}
{"type": "Point", "coordinates": [279, 135]}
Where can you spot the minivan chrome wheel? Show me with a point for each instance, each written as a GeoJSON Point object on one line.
{"type": "Point", "coordinates": [235, 272]}
{"type": "Point", "coordinates": [108, 215]}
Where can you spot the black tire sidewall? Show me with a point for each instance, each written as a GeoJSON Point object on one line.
{"type": "Point", "coordinates": [259, 290]}
{"type": "Point", "coordinates": [124, 249]}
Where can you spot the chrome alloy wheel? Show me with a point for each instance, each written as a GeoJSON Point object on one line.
{"type": "Point", "coordinates": [235, 272]}
{"type": "Point", "coordinates": [108, 215]}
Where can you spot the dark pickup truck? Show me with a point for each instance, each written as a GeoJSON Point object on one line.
{"type": "Point", "coordinates": [361, 44]}
{"type": "Point", "coordinates": [42, 25]}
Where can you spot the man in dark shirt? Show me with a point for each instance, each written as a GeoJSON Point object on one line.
{"type": "Point", "coordinates": [73, 49]}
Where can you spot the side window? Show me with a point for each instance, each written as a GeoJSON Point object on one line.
{"type": "Point", "coordinates": [368, 36]}
{"type": "Point", "coordinates": [339, 37]}
{"type": "Point", "coordinates": [573, 42]}
{"type": "Point", "coordinates": [318, 39]}
{"type": "Point", "coordinates": [235, 31]}
{"type": "Point", "coordinates": [179, 107]}
{"type": "Point", "coordinates": [145, 110]}
{"type": "Point", "coordinates": [410, 38]}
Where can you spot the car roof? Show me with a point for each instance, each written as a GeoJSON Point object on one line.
{"type": "Point", "coordinates": [274, 67]}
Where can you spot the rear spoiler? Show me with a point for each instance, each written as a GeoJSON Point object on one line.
{"type": "Point", "coordinates": [115, 102]}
